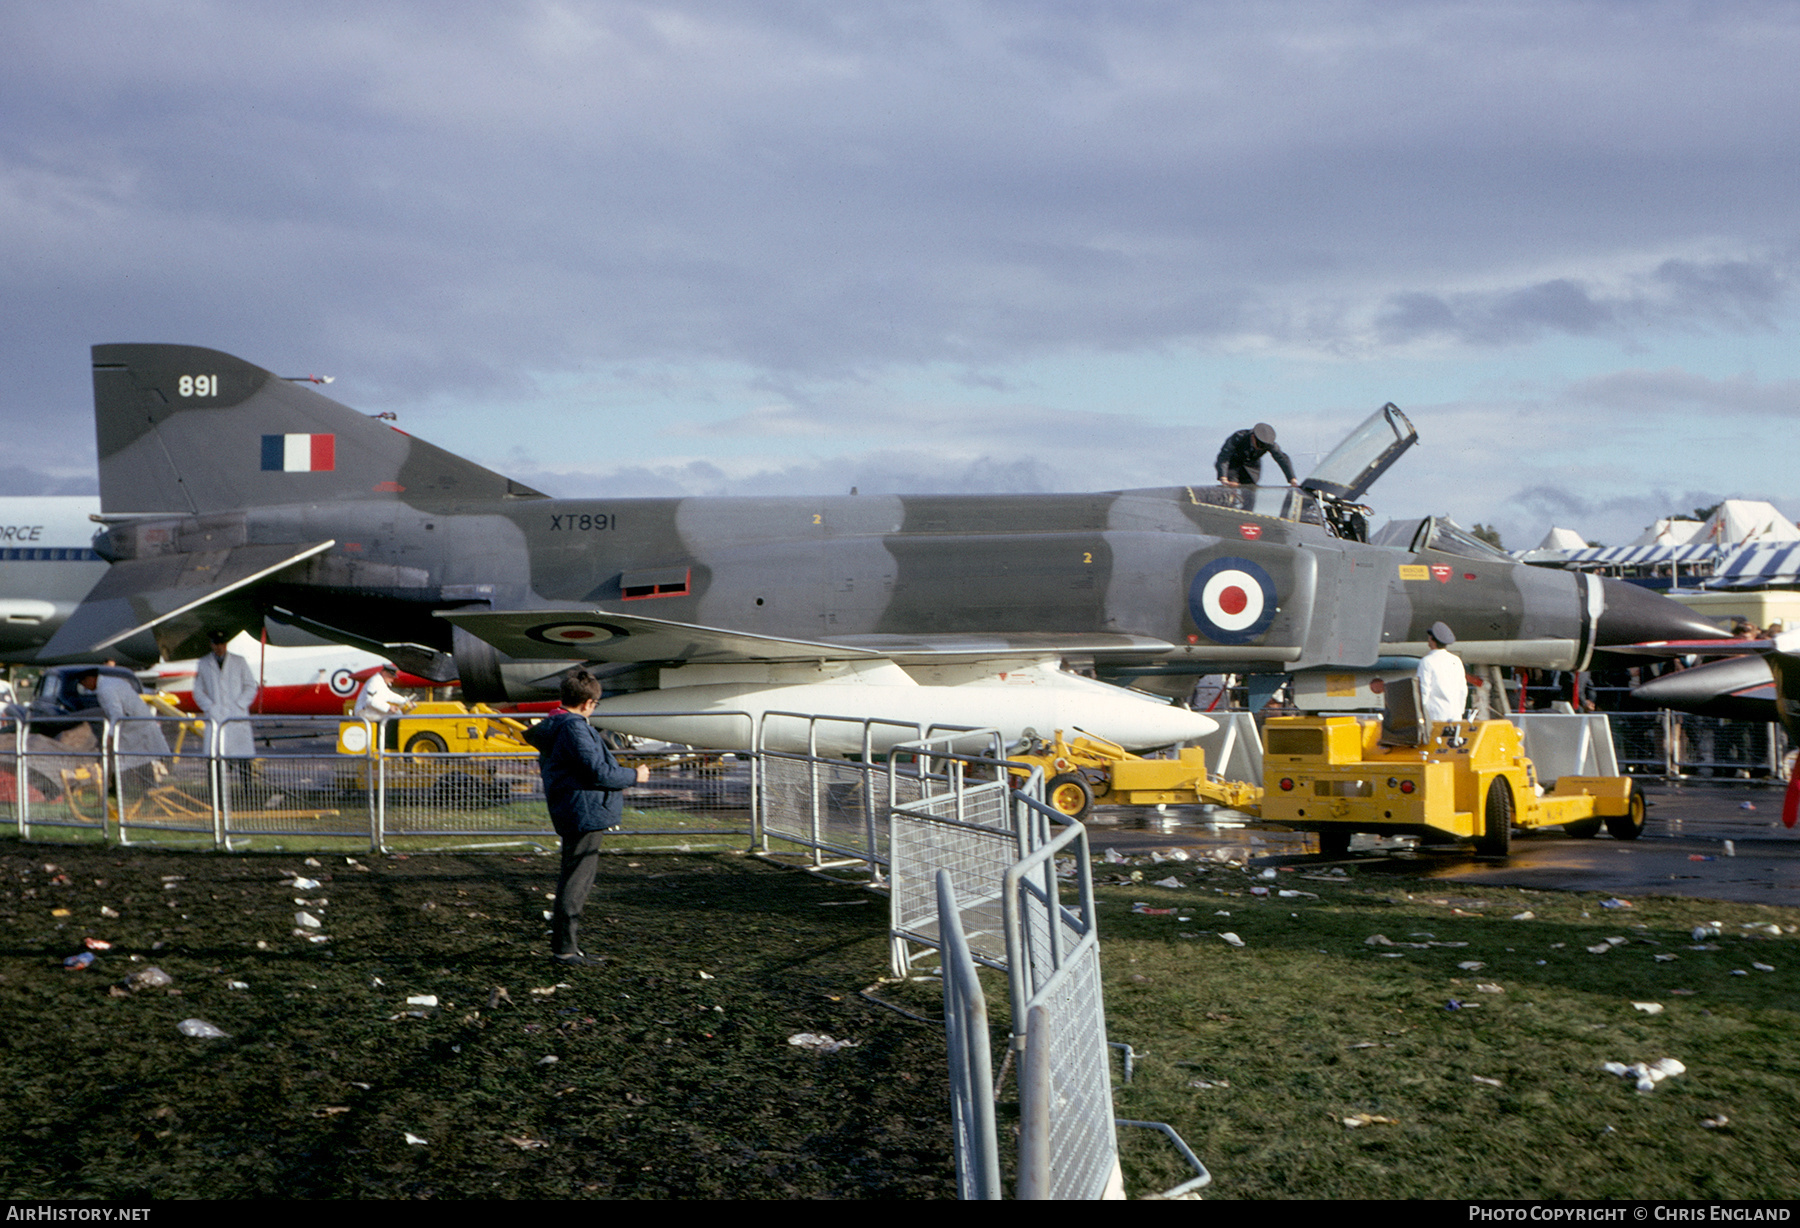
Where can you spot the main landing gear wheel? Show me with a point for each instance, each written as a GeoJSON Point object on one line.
{"type": "Point", "coordinates": [1334, 842]}
{"type": "Point", "coordinates": [1630, 825]}
{"type": "Point", "coordinates": [1071, 794]}
{"type": "Point", "coordinates": [426, 744]}
{"type": "Point", "coordinates": [1496, 820]}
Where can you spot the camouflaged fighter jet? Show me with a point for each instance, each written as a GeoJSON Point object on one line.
{"type": "Point", "coordinates": [231, 495]}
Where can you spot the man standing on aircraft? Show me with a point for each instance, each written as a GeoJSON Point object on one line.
{"type": "Point", "coordinates": [1240, 460]}
{"type": "Point", "coordinates": [584, 789]}
{"type": "Point", "coordinates": [224, 689]}
{"type": "Point", "coordinates": [1443, 682]}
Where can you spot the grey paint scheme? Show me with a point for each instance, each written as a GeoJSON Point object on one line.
{"type": "Point", "coordinates": [401, 531]}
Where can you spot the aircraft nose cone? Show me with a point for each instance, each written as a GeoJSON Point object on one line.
{"type": "Point", "coordinates": [1736, 688]}
{"type": "Point", "coordinates": [1635, 615]}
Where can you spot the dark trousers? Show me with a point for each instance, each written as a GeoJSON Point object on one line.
{"type": "Point", "coordinates": [580, 866]}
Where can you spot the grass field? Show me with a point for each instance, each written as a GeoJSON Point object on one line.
{"type": "Point", "coordinates": [1309, 1023]}
{"type": "Point", "coordinates": [668, 1083]}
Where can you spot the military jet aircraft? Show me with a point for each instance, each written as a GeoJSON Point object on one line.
{"type": "Point", "coordinates": [230, 495]}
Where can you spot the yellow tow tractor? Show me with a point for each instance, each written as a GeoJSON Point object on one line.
{"type": "Point", "coordinates": [442, 745]}
{"type": "Point", "coordinates": [1078, 773]}
{"type": "Point", "coordinates": [444, 728]}
{"type": "Point", "coordinates": [1339, 775]}
{"type": "Point", "coordinates": [1448, 780]}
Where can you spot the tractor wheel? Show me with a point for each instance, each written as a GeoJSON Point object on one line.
{"type": "Point", "coordinates": [426, 744]}
{"type": "Point", "coordinates": [1071, 794]}
{"type": "Point", "coordinates": [1587, 829]}
{"type": "Point", "coordinates": [1496, 820]}
{"type": "Point", "coordinates": [1630, 825]}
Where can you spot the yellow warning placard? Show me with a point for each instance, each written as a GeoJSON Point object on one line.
{"type": "Point", "coordinates": [1414, 571]}
{"type": "Point", "coordinates": [1340, 686]}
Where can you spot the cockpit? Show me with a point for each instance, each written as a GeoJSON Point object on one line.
{"type": "Point", "coordinates": [1441, 534]}
{"type": "Point", "coordinates": [1328, 495]}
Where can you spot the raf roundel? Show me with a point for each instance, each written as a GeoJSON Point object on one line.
{"type": "Point", "coordinates": [1232, 601]}
{"type": "Point", "coordinates": [342, 681]}
{"type": "Point", "coordinates": [576, 635]}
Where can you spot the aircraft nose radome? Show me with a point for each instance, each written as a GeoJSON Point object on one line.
{"type": "Point", "coordinates": [1635, 615]}
{"type": "Point", "coordinates": [1737, 688]}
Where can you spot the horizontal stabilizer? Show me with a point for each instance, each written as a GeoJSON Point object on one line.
{"type": "Point", "coordinates": [594, 635]}
{"type": "Point", "coordinates": [137, 594]}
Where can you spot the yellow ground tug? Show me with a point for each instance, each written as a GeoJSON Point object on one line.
{"type": "Point", "coordinates": [452, 755]}
{"type": "Point", "coordinates": [1088, 769]}
{"type": "Point", "coordinates": [1339, 775]}
{"type": "Point", "coordinates": [444, 728]}
{"type": "Point", "coordinates": [1460, 780]}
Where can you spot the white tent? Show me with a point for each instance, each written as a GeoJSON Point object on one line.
{"type": "Point", "coordinates": [1565, 539]}
{"type": "Point", "coordinates": [1748, 520]}
{"type": "Point", "coordinates": [1668, 531]}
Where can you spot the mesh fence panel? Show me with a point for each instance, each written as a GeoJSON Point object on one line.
{"type": "Point", "coordinates": [1638, 739]}
{"type": "Point", "coordinates": [831, 804]}
{"type": "Point", "coordinates": [463, 795]}
{"type": "Point", "coordinates": [1710, 744]}
{"type": "Point", "coordinates": [162, 779]}
{"type": "Point", "coordinates": [1083, 1141]}
{"type": "Point", "coordinates": [1055, 968]}
{"type": "Point", "coordinates": [976, 858]}
{"type": "Point", "coordinates": [62, 778]}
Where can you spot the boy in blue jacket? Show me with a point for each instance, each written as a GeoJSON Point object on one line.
{"type": "Point", "coordinates": [584, 787]}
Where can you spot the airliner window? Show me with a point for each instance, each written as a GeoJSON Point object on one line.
{"type": "Point", "coordinates": [1450, 538]}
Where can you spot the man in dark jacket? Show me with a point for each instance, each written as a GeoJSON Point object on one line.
{"type": "Point", "coordinates": [1240, 460]}
{"type": "Point", "coordinates": [583, 786]}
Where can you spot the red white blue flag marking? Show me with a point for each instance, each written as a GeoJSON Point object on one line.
{"type": "Point", "coordinates": [299, 453]}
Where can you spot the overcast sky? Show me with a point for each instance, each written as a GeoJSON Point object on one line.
{"type": "Point", "coordinates": [664, 248]}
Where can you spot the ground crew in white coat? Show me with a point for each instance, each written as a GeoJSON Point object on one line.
{"type": "Point", "coordinates": [1443, 682]}
{"type": "Point", "coordinates": [224, 689]}
{"type": "Point", "coordinates": [143, 751]}
{"type": "Point", "coordinates": [379, 700]}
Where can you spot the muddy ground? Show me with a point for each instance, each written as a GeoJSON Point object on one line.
{"type": "Point", "coordinates": [667, 1073]}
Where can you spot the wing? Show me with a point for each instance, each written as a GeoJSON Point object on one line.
{"type": "Point", "coordinates": [599, 635]}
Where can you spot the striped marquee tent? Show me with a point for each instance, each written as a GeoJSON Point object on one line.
{"type": "Point", "coordinates": [1758, 565]}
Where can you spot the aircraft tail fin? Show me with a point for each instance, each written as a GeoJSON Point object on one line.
{"type": "Point", "coordinates": [190, 430]}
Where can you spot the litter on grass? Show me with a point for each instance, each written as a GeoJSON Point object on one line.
{"type": "Point", "coordinates": [1649, 1008]}
{"type": "Point", "coordinates": [199, 1029]}
{"type": "Point", "coordinates": [148, 978]}
{"type": "Point", "coordinates": [1646, 1074]}
{"type": "Point", "coordinates": [819, 1042]}
{"type": "Point", "coordinates": [1231, 939]}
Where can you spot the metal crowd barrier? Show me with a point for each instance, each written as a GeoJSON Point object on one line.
{"type": "Point", "coordinates": [950, 812]}
{"type": "Point", "coordinates": [1676, 744]}
{"type": "Point", "coordinates": [833, 799]}
{"type": "Point", "coordinates": [977, 1143]}
{"type": "Point", "coordinates": [173, 780]}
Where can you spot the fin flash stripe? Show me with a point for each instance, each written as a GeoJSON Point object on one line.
{"type": "Point", "coordinates": [299, 453]}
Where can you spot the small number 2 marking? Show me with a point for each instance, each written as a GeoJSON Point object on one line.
{"type": "Point", "coordinates": [1087, 556]}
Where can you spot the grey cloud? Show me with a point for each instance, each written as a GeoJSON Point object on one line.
{"type": "Point", "coordinates": [881, 472]}
{"type": "Point", "coordinates": [20, 480]}
{"type": "Point", "coordinates": [1679, 392]}
{"type": "Point", "coordinates": [1726, 294]}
